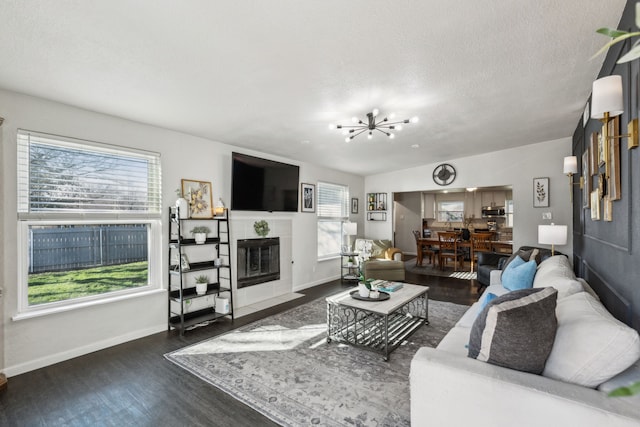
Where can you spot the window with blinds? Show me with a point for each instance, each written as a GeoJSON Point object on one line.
{"type": "Point", "coordinates": [57, 174]}
{"type": "Point", "coordinates": [89, 220]}
{"type": "Point", "coordinates": [333, 210]}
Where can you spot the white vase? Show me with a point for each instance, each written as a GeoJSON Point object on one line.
{"type": "Point", "coordinates": [183, 208]}
{"type": "Point", "coordinates": [200, 238]}
{"type": "Point", "coordinates": [363, 291]}
{"type": "Point", "coordinates": [201, 288]}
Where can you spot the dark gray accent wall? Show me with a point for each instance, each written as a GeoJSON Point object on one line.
{"type": "Point", "coordinates": [607, 254]}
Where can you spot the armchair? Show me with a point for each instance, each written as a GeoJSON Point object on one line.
{"type": "Point", "coordinates": [380, 260]}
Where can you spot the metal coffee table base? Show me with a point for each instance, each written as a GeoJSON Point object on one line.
{"type": "Point", "coordinates": [374, 331]}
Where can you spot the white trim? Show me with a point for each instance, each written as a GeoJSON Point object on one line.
{"type": "Point", "coordinates": [154, 251]}
{"type": "Point", "coordinates": [84, 304]}
{"type": "Point", "coordinates": [41, 362]}
{"type": "Point", "coordinates": [315, 283]}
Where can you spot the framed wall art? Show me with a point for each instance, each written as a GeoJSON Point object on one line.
{"type": "Point", "coordinates": [354, 205]}
{"type": "Point", "coordinates": [540, 192]}
{"type": "Point", "coordinates": [198, 194]}
{"type": "Point", "coordinates": [593, 154]}
{"type": "Point", "coordinates": [601, 148]}
{"type": "Point", "coordinates": [308, 197]}
{"type": "Point", "coordinates": [613, 190]}
{"type": "Point", "coordinates": [586, 178]}
{"type": "Point", "coordinates": [595, 205]}
{"type": "Point", "coordinates": [607, 209]}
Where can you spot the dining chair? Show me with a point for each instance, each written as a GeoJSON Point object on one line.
{"type": "Point", "coordinates": [480, 242]}
{"type": "Point", "coordinates": [429, 251]}
{"type": "Point", "coordinates": [449, 249]}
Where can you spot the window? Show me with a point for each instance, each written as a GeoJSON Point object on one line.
{"type": "Point", "coordinates": [452, 211]}
{"type": "Point", "coordinates": [89, 218]}
{"type": "Point", "coordinates": [509, 213]}
{"type": "Point", "coordinates": [333, 210]}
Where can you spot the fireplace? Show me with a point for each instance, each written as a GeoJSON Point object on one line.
{"type": "Point", "coordinates": [258, 261]}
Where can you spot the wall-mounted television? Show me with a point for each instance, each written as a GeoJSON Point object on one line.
{"type": "Point", "coordinates": [263, 185]}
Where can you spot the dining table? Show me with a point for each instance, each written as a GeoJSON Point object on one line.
{"type": "Point", "coordinates": [500, 246]}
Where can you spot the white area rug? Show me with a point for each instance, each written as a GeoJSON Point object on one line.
{"type": "Point", "coordinates": [282, 367]}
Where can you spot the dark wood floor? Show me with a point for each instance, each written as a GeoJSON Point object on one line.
{"type": "Point", "coordinates": [132, 384]}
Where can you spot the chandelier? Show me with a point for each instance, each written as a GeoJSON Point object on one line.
{"type": "Point", "coordinates": [384, 126]}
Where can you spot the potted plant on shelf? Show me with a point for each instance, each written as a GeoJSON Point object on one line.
{"type": "Point", "coordinates": [202, 283]}
{"type": "Point", "coordinates": [200, 233]}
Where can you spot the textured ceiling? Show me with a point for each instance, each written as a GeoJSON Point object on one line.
{"type": "Point", "coordinates": [271, 75]}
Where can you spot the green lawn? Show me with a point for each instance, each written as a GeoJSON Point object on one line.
{"type": "Point", "coordinates": [59, 286]}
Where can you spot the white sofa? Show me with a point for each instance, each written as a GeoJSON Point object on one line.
{"type": "Point", "coordinates": [450, 389]}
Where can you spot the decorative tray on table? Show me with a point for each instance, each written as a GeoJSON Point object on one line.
{"type": "Point", "coordinates": [381, 297]}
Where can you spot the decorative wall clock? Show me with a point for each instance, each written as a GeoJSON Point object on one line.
{"type": "Point", "coordinates": [444, 174]}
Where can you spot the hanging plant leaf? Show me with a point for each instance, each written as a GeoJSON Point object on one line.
{"type": "Point", "coordinates": [610, 32]}
{"type": "Point", "coordinates": [614, 41]}
{"type": "Point", "coordinates": [631, 55]}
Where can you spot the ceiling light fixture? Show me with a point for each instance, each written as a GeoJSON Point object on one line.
{"type": "Point", "coordinates": [359, 127]}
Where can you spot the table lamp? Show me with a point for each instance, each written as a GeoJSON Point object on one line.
{"type": "Point", "coordinates": [552, 235]}
{"type": "Point", "coordinates": [350, 229]}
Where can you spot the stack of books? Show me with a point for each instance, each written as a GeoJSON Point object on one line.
{"type": "Point", "coordinates": [390, 286]}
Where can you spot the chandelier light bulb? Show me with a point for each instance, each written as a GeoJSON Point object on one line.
{"type": "Point", "coordinates": [332, 126]}
{"type": "Point", "coordinates": [370, 124]}
{"type": "Point", "coordinates": [392, 116]}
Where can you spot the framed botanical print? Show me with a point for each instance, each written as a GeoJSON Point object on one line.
{"type": "Point", "coordinates": [308, 197]}
{"type": "Point", "coordinates": [540, 192]}
{"type": "Point", "coordinates": [198, 194]}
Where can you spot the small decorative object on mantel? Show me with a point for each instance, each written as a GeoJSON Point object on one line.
{"type": "Point", "coordinates": [182, 205]}
{"type": "Point", "coordinates": [200, 233]}
{"type": "Point", "coordinates": [220, 210]}
{"type": "Point", "coordinates": [261, 228]}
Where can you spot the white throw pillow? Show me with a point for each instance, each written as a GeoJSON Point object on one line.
{"type": "Point", "coordinates": [556, 271]}
{"type": "Point", "coordinates": [591, 346]}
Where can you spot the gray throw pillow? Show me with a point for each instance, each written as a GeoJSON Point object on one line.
{"type": "Point", "coordinates": [516, 330]}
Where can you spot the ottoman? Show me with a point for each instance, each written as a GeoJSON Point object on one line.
{"type": "Point", "coordinates": [384, 269]}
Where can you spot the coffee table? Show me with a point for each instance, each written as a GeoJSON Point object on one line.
{"type": "Point", "coordinates": [379, 326]}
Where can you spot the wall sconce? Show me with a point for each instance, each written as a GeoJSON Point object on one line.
{"type": "Point", "coordinates": [552, 235]}
{"type": "Point", "coordinates": [606, 103]}
{"type": "Point", "coordinates": [571, 168]}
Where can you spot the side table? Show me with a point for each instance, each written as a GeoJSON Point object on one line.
{"type": "Point", "coordinates": [349, 271]}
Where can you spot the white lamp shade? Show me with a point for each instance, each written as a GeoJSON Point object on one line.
{"type": "Point", "coordinates": [350, 228]}
{"type": "Point", "coordinates": [607, 97]}
{"type": "Point", "coordinates": [570, 165]}
{"type": "Point", "coordinates": [552, 234]}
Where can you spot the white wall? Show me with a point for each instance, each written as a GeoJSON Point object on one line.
{"type": "Point", "coordinates": [516, 167]}
{"type": "Point", "coordinates": [36, 342]}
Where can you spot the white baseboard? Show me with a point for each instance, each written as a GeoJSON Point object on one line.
{"type": "Point", "coordinates": [314, 283]}
{"type": "Point", "coordinates": [32, 365]}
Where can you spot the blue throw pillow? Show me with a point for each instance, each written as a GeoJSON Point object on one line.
{"type": "Point", "coordinates": [486, 300]}
{"type": "Point", "coordinates": [519, 274]}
